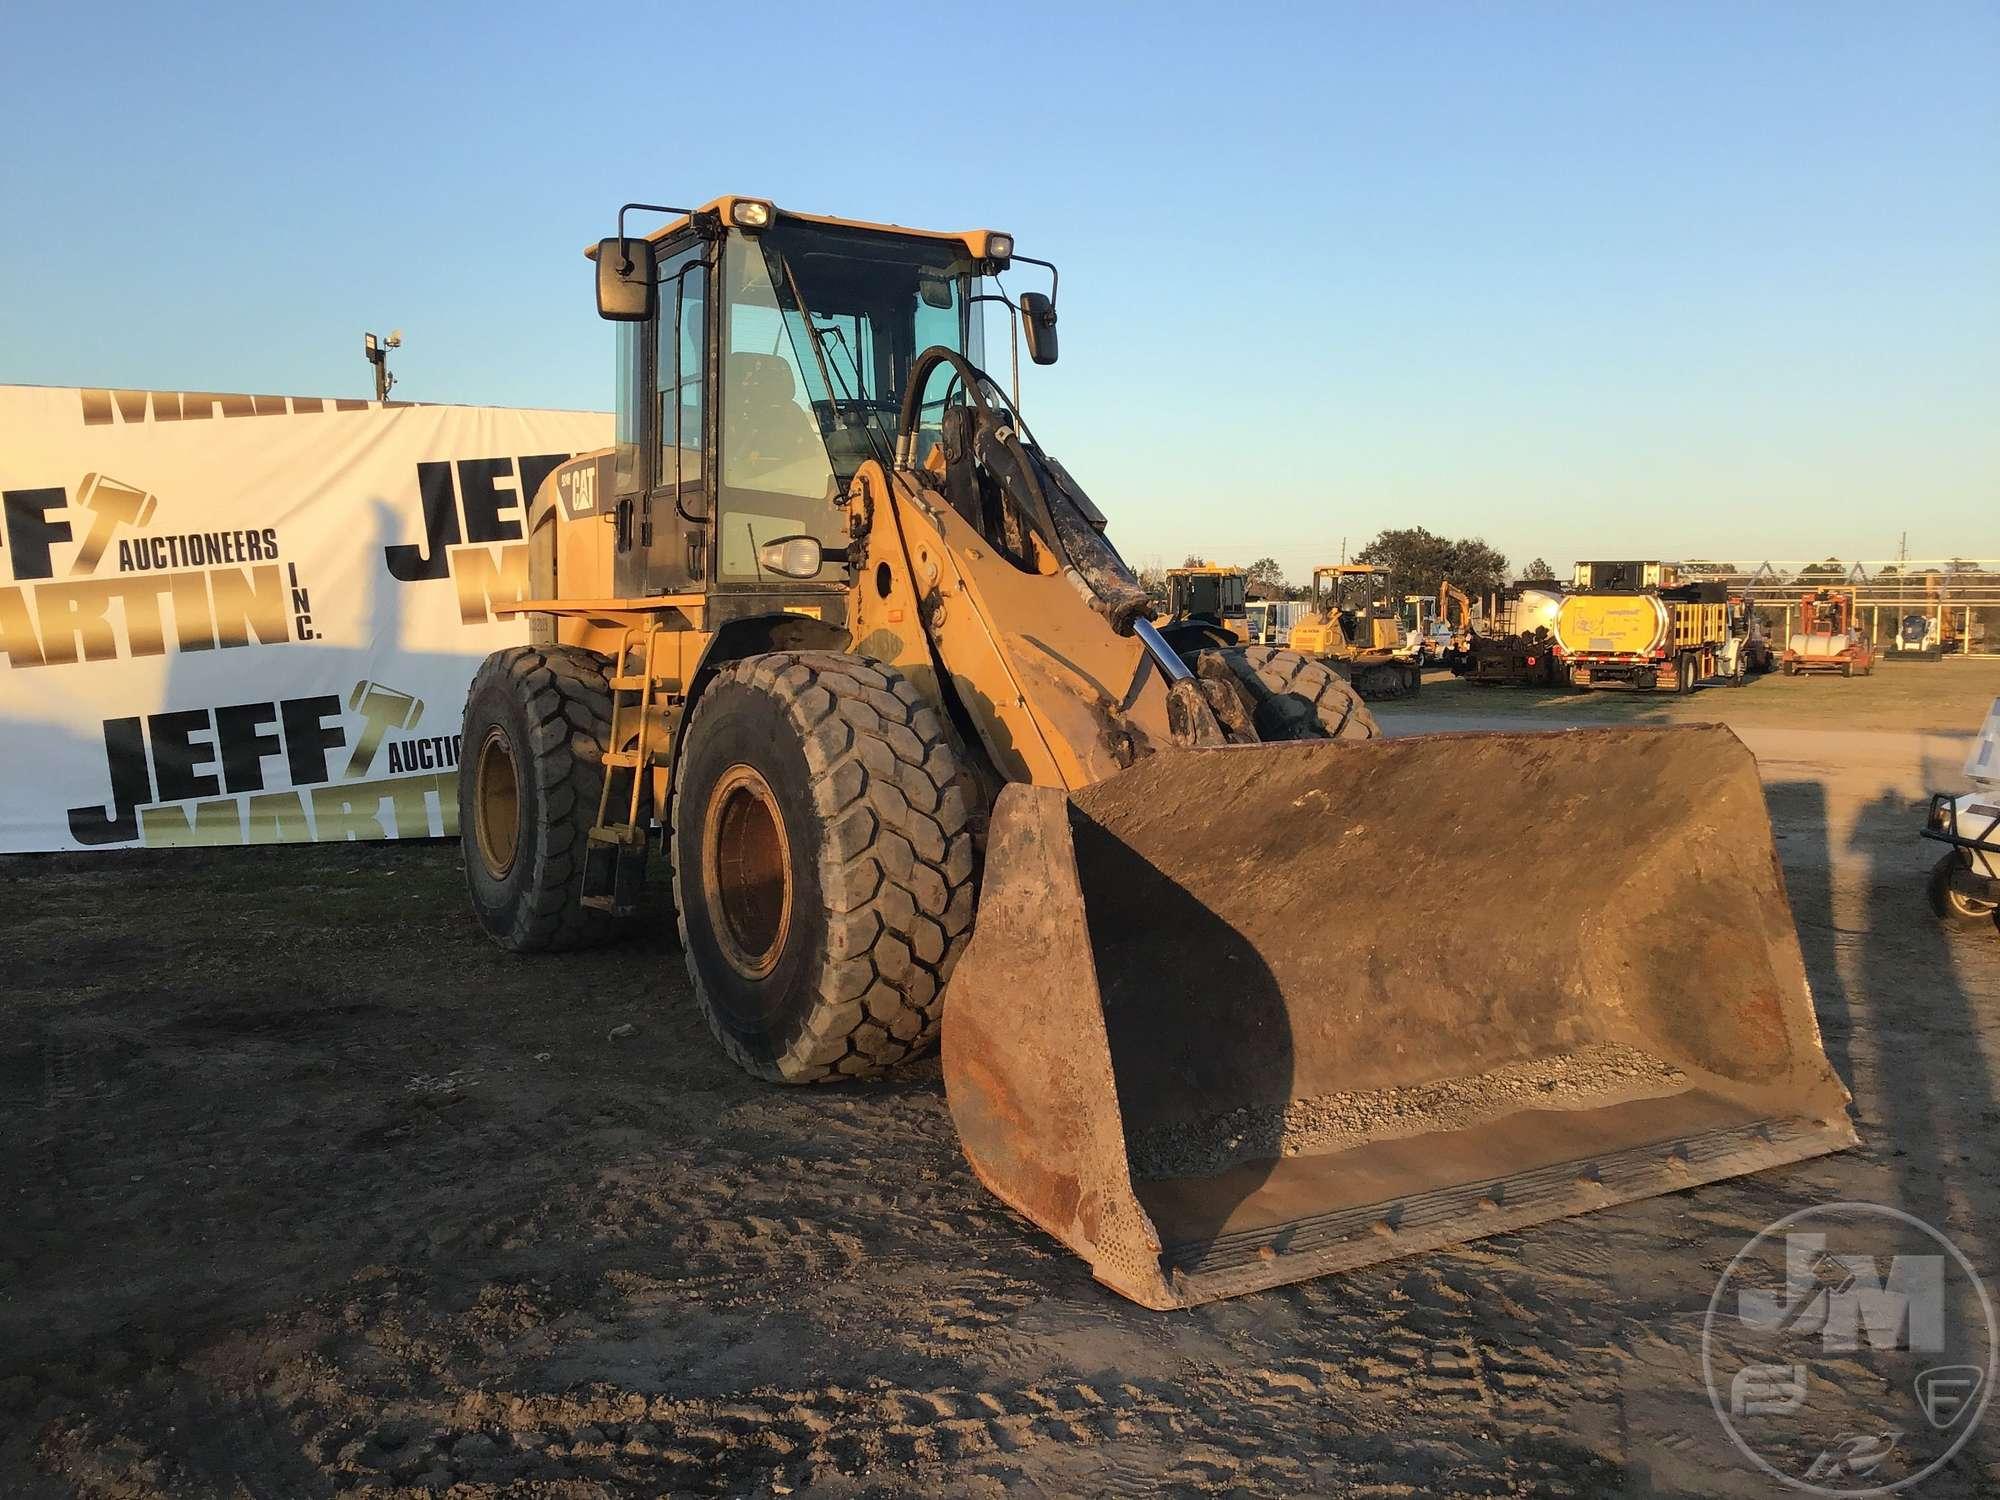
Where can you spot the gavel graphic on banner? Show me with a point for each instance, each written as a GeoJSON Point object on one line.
{"type": "Point", "coordinates": [385, 709]}
{"type": "Point", "coordinates": [111, 505]}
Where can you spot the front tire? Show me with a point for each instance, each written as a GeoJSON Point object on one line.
{"type": "Point", "coordinates": [1957, 907]}
{"type": "Point", "coordinates": [823, 864]}
{"type": "Point", "coordinates": [530, 772]}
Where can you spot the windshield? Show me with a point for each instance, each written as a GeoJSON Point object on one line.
{"type": "Point", "coordinates": [824, 324]}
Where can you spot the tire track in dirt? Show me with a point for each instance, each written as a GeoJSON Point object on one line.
{"type": "Point", "coordinates": [600, 1267]}
{"type": "Point", "coordinates": [387, 1391]}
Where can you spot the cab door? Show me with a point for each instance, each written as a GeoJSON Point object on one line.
{"type": "Point", "coordinates": [663, 474]}
{"type": "Point", "coordinates": [682, 499]}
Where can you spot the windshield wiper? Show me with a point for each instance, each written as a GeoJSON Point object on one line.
{"type": "Point", "coordinates": [876, 443]}
{"type": "Point", "coordinates": [853, 360]}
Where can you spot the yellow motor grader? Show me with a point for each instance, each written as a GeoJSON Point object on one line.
{"type": "Point", "coordinates": [830, 634]}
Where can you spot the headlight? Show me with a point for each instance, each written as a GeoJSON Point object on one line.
{"type": "Point", "coordinates": [751, 213]}
{"type": "Point", "coordinates": [999, 247]}
{"type": "Point", "coordinates": [792, 557]}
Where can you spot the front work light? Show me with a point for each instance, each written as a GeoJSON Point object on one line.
{"type": "Point", "coordinates": [999, 247]}
{"type": "Point", "coordinates": [792, 557]}
{"type": "Point", "coordinates": [752, 213]}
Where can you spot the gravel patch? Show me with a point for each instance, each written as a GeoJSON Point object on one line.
{"type": "Point", "coordinates": [1585, 1079]}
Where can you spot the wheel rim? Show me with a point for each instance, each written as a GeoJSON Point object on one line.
{"type": "Point", "coordinates": [746, 869]}
{"type": "Point", "coordinates": [497, 803]}
{"type": "Point", "coordinates": [1968, 906]}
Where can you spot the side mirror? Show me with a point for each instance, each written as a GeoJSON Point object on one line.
{"type": "Point", "coordinates": [797, 556]}
{"type": "Point", "coordinates": [1038, 322]}
{"type": "Point", "coordinates": [627, 280]}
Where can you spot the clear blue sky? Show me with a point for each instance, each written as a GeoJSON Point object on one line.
{"type": "Point", "coordinates": [1589, 280]}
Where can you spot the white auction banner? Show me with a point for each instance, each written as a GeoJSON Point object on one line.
{"type": "Point", "coordinates": [236, 619]}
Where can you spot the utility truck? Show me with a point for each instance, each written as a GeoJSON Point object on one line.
{"type": "Point", "coordinates": [1639, 625]}
{"type": "Point", "coordinates": [1965, 882]}
{"type": "Point", "coordinates": [1828, 639]}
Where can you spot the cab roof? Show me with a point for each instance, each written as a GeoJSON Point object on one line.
{"type": "Point", "coordinates": [975, 241]}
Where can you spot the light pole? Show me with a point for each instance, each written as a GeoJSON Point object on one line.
{"type": "Point", "coordinates": [378, 356]}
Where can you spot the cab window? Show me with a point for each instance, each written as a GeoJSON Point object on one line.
{"type": "Point", "coordinates": [678, 367]}
{"type": "Point", "coordinates": [776, 477]}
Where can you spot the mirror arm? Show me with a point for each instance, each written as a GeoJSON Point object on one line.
{"type": "Point", "coordinates": [647, 208]}
{"type": "Point", "coordinates": [1050, 267]}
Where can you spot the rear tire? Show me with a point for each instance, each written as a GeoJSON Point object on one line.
{"type": "Point", "coordinates": [1951, 904]}
{"type": "Point", "coordinates": [530, 772]}
{"type": "Point", "coordinates": [823, 864]}
{"type": "Point", "coordinates": [1298, 697]}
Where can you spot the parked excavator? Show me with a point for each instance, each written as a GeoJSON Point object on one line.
{"type": "Point", "coordinates": [1454, 608]}
{"type": "Point", "coordinates": [832, 636]}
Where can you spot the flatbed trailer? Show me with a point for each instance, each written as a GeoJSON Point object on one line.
{"type": "Point", "coordinates": [1512, 641]}
{"type": "Point", "coordinates": [1513, 660]}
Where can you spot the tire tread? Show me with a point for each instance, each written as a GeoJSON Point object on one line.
{"type": "Point", "coordinates": [1274, 672]}
{"type": "Point", "coordinates": [566, 696]}
{"type": "Point", "coordinates": [897, 865]}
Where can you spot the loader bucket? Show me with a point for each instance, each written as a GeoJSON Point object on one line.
{"type": "Point", "coordinates": [1241, 1016]}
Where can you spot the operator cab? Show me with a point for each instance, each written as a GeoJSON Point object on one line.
{"type": "Point", "coordinates": [1206, 592]}
{"type": "Point", "coordinates": [1355, 596]}
{"type": "Point", "coordinates": [762, 358]}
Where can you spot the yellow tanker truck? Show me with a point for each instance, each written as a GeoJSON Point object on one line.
{"type": "Point", "coordinates": [1638, 624]}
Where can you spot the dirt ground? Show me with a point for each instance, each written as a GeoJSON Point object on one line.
{"type": "Point", "coordinates": [309, 1191]}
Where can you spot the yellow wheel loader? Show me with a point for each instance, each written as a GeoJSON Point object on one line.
{"type": "Point", "coordinates": [1354, 623]}
{"type": "Point", "coordinates": [830, 634]}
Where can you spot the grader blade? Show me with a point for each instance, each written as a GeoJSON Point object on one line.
{"type": "Point", "coordinates": [1241, 1016]}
